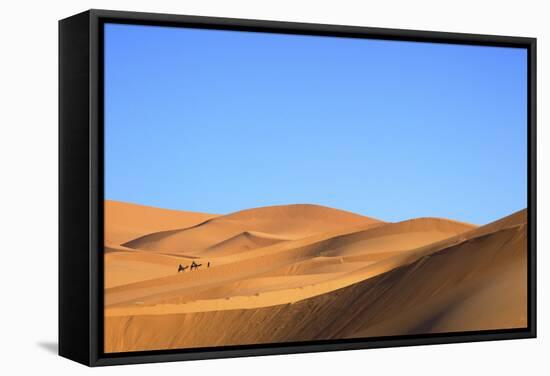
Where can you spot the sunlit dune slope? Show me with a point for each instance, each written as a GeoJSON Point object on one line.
{"type": "Point", "coordinates": [125, 221]}
{"type": "Point", "coordinates": [290, 222]}
{"type": "Point", "coordinates": [124, 267]}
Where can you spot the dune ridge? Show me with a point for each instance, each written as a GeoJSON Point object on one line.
{"type": "Point", "coordinates": [306, 272]}
{"type": "Point", "coordinates": [243, 241]}
{"type": "Point", "coordinates": [291, 221]}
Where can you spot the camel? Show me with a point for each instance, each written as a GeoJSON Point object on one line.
{"type": "Point", "coordinates": [182, 268]}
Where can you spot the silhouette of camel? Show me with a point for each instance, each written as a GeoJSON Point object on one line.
{"type": "Point", "coordinates": [182, 268]}
{"type": "Point", "coordinates": [194, 265]}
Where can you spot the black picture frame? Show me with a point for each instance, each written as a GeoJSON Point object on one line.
{"type": "Point", "coordinates": [81, 186]}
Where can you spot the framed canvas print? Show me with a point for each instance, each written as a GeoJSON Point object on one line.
{"type": "Point", "coordinates": [236, 187]}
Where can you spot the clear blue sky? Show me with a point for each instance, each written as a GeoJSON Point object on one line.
{"type": "Point", "coordinates": [219, 121]}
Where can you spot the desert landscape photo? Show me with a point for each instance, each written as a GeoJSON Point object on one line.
{"type": "Point", "coordinates": [264, 188]}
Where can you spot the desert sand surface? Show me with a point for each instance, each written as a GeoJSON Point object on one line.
{"type": "Point", "coordinates": [304, 272]}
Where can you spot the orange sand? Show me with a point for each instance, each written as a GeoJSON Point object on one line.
{"type": "Point", "coordinates": [304, 272]}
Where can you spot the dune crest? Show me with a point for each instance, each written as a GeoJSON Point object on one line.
{"type": "Point", "coordinates": [124, 221]}
{"type": "Point", "coordinates": [306, 272]}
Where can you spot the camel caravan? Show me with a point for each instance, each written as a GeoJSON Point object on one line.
{"type": "Point", "coordinates": [193, 266]}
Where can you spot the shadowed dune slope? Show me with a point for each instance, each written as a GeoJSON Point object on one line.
{"type": "Point", "coordinates": [289, 221]}
{"type": "Point", "coordinates": [477, 281]}
{"type": "Point", "coordinates": [244, 241]}
{"type": "Point", "coordinates": [125, 221]}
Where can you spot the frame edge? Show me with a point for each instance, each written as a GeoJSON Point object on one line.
{"type": "Point", "coordinates": [74, 247]}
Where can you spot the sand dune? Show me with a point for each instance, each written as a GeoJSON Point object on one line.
{"type": "Point", "coordinates": [305, 272]}
{"type": "Point", "coordinates": [241, 242]}
{"type": "Point", "coordinates": [292, 222]}
{"type": "Point", "coordinates": [130, 266]}
{"type": "Point", "coordinates": [124, 222]}
{"type": "Point", "coordinates": [274, 259]}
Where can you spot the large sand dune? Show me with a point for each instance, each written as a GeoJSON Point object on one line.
{"type": "Point", "coordinates": [306, 272]}
{"type": "Point", "coordinates": [124, 222]}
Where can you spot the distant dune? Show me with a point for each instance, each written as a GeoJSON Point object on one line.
{"type": "Point", "coordinates": [124, 222]}
{"type": "Point", "coordinates": [291, 222]}
{"type": "Point", "coordinates": [305, 272]}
